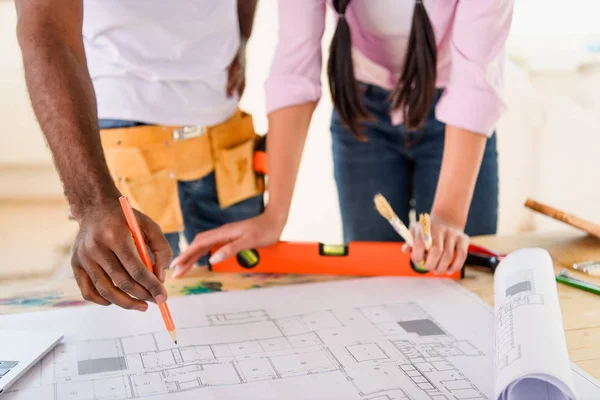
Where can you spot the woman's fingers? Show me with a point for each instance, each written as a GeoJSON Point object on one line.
{"type": "Point", "coordinates": [204, 242]}
{"type": "Point", "coordinates": [418, 249]}
{"type": "Point", "coordinates": [447, 253]}
{"type": "Point", "coordinates": [435, 253]}
{"type": "Point", "coordinates": [229, 250]}
{"type": "Point", "coordinates": [462, 248]}
{"type": "Point", "coordinates": [181, 270]}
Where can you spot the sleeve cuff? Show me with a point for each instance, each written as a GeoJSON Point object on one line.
{"type": "Point", "coordinates": [474, 110]}
{"type": "Point", "coordinates": [290, 90]}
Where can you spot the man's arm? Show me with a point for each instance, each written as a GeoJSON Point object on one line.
{"type": "Point", "coordinates": [236, 80]}
{"type": "Point", "coordinates": [246, 11]}
{"type": "Point", "coordinates": [105, 262]}
{"type": "Point", "coordinates": [63, 99]}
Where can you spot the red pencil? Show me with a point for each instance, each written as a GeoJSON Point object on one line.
{"type": "Point", "coordinates": [143, 250]}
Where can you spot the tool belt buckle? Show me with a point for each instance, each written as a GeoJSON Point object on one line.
{"type": "Point", "coordinates": [188, 132]}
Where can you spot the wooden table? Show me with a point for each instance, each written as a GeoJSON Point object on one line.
{"type": "Point", "coordinates": [580, 310]}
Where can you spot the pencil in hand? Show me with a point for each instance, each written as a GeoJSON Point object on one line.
{"type": "Point", "coordinates": [140, 243]}
{"type": "Point", "coordinates": [385, 209]}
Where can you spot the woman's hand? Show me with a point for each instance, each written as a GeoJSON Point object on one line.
{"type": "Point", "coordinates": [448, 251]}
{"type": "Point", "coordinates": [463, 152]}
{"type": "Point", "coordinates": [261, 231]}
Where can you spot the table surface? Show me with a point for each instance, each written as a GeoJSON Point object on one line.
{"type": "Point", "coordinates": [580, 309]}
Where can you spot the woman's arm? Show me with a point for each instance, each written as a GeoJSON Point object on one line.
{"type": "Point", "coordinates": [288, 128]}
{"type": "Point", "coordinates": [470, 107]}
{"type": "Point", "coordinates": [293, 89]}
{"type": "Point", "coordinates": [463, 152]}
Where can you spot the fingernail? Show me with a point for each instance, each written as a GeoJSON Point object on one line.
{"type": "Point", "coordinates": [216, 258]}
{"type": "Point", "coordinates": [161, 298]}
{"type": "Point", "coordinates": [174, 263]}
{"type": "Point", "coordinates": [142, 308]}
{"type": "Point", "coordinates": [176, 274]}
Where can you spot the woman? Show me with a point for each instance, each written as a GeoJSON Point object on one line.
{"type": "Point", "coordinates": [415, 110]}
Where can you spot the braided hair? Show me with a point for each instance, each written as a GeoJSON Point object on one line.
{"type": "Point", "coordinates": [415, 89]}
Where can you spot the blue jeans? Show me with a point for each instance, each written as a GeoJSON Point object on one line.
{"type": "Point", "coordinates": [405, 167]}
{"type": "Point", "coordinates": [199, 203]}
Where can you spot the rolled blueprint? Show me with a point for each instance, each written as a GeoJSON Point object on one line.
{"type": "Point", "coordinates": [531, 360]}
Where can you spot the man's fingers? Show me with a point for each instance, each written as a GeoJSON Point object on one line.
{"type": "Point", "coordinates": [435, 253]}
{"type": "Point", "coordinates": [159, 246]}
{"type": "Point", "coordinates": [204, 242]}
{"type": "Point", "coordinates": [141, 274]}
{"type": "Point", "coordinates": [241, 88]}
{"type": "Point", "coordinates": [130, 258]}
{"type": "Point", "coordinates": [119, 276]}
{"type": "Point", "coordinates": [88, 291]}
{"type": "Point", "coordinates": [234, 82]}
{"type": "Point", "coordinates": [462, 248]}
{"type": "Point", "coordinates": [447, 254]}
{"type": "Point", "coordinates": [109, 291]}
{"type": "Point", "coordinates": [232, 76]}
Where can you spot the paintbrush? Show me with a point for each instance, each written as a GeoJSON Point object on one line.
{"type": "Point", "coordinates": [562, 216]}
{"type": "Point", "coordinates": [385, 209]}
{"type": "Point", "coordinates": [425, 223]}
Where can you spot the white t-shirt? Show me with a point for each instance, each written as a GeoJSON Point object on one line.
{"type": "Point", "coordinates": [162, 62]}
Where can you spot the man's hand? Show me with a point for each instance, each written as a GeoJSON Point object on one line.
{"type": "Point", "coordinates": [106, 263]}
{"type": "Point", "coordinates": [236, 80]}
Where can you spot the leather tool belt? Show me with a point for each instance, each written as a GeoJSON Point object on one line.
{"type": "Point", "coordinates": [147, 161]}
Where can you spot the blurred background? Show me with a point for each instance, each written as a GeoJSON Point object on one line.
{"type": "Point", "coordinates": [548, 140]}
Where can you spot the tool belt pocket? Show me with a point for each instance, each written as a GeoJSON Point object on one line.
{"type": "Point", "coordinates": [150, 187]}
{"type": "Point", "coordinates": [234, 174]}
{"type": "Point", "coordinates": [233, 147]}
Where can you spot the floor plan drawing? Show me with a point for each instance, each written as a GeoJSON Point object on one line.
{"type": "Point", "coordinates": [388, 352]}
{"type": "Point", "coordinates": [361, 339]}
{"type": "Point", "coordinates": [520, 291]}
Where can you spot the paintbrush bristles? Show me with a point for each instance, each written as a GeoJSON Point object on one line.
{"type": "Point", "coordinates": [425, 223]}
{"type": "Point", "coordinates": [384, 208]}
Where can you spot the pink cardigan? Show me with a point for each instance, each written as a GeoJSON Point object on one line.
{"type": "Point", "coordinates": [470, 37]}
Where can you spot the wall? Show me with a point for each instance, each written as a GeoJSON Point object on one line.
{"type": "Point", "coordinates": [547, 139]}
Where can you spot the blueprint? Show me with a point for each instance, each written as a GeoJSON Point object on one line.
{"type": "Point", "coordinates": [365, 339]}
{"type": "Point", "coordinates": [531, 351]}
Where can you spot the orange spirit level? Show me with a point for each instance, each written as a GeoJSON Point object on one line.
{"type": "Point", "coordinates": [355, 259]}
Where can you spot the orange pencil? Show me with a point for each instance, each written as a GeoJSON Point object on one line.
{"type": "Point", "coordinates": [143, 250]}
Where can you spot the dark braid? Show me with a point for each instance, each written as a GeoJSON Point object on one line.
{"type": "Point", "coordinates": [415, 89]}
{"type": "Point", "coordinates": [340, 69]}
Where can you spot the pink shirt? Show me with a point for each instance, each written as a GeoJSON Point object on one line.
{"type": "Point", "coordinates": [470, 36]}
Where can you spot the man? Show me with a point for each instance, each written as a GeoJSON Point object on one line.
{"type": "Point", "coordinates": [161, 81]}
